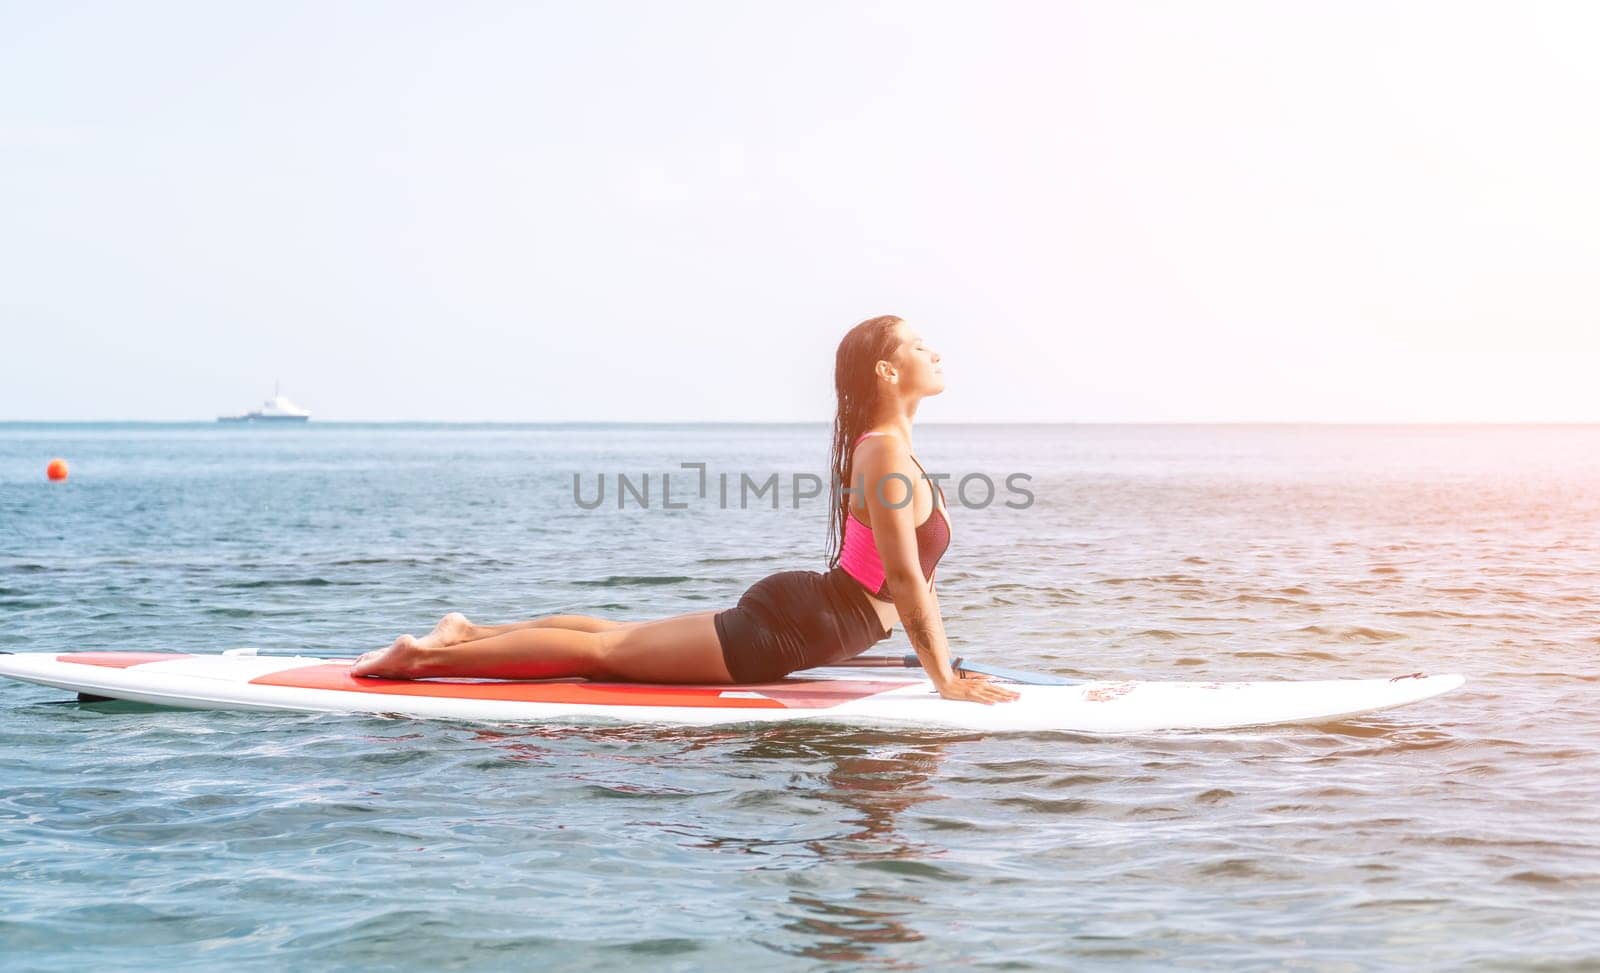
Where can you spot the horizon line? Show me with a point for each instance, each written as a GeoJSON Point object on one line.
{"type": "Point", "coordinates": [806, 422]}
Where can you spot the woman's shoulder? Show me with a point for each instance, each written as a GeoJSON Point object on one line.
{"type": "Point", "coordinates": [886, 452]}
{"type": "Point", "coordinates": [891, 438]}
{"type": "Point", "coordinates": [877, 445]}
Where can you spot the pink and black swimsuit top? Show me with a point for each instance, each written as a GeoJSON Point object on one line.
{"type": "Point", "coordinates": [859, 557]}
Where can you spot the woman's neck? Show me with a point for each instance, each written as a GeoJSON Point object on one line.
{"type": "Point", "coordinates": [896, 420]}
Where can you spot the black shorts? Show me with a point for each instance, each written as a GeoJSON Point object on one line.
{"type": "Point", "coordinates": [795, 620]}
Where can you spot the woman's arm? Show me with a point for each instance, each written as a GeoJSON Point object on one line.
{"type": "Point", "coordinates": [889, 502]}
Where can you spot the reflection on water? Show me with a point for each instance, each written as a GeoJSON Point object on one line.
{"type": "Point", "coordinates": [856, 931]}
{"type": "Point", "coordinates": [872, 777]}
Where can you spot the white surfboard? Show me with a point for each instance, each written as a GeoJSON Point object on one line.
{"type": "Point", "coordinates": [853, 696]}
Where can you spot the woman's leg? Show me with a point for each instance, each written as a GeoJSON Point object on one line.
{"type": "Point", "coordinates": [575, 623]}
{"type": "Point", "coordinates": [454, 628]}
{"type": "Point", "coordinates": [680, 649]}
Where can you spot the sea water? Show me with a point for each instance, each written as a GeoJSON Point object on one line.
{"type": "Point", "coordinates": [1462, 831]}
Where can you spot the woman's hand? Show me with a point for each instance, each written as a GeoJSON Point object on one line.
{"type": "Point", "coordinates": [977, 689]}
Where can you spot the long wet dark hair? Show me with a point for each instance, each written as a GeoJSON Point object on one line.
{"type": "Point", "coordinates": [855, 382]}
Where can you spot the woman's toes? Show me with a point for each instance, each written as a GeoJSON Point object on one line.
{"type": "Point", "coordinates": [394, 662]}
{"type": "Point", "coordinates": [379, 662]}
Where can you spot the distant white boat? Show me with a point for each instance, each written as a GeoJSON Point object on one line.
{"type": "Point", "coordinates": [276, 409]}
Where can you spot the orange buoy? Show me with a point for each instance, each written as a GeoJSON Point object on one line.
{"type": "Point", "coordinates": [57, 470]}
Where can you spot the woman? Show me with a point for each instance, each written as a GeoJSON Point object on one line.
{"type": "Point", "coordinates": [883, 550]}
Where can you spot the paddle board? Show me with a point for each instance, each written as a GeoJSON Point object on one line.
{"type": "Point", "coordinates": [851, 696]}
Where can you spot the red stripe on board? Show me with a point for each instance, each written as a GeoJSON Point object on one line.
{"type": "Point", "coordinates": [119, 660]}
{"type": "Point", "coordinates": [788, 694]}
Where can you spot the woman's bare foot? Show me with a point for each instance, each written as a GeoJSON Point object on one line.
{"type": "Point", "coordinates": [451, 630]}
{"type": "Point", "coordinates": [392, 663]}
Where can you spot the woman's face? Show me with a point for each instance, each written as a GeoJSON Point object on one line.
{"type": "Point", "coordinates": [920, 372]}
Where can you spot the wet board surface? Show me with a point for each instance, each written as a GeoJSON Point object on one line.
{"type": "Point", "coordinates": [866, 697]}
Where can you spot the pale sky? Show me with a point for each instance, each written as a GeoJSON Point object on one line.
{"type": "Point", "coordinates": [1276, 211]}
